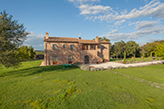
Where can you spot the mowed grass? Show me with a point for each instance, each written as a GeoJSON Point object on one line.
{"type": "Point", "coordinates": [131, 60]}
{"type": "Point", "coordinates": [32, 86]}
{"type": "Point", "coordinates": [153, 73]}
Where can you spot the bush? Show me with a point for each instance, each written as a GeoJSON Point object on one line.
{"type": "Point", "coordinates": [76, 63]}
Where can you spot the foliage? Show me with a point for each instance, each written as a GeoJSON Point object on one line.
{"type": "Point", "coordinates": [124, 55]}
{"type": "Point", "coordinates": [12, 36]}
{"type": "Point", "coordinates": [26, 53]}
{"type": "Point", "coordinates": [150, 48]}
{"type": "Point", "coordinates": [160, 51]}
{"type": "Point", "coordinates": [103, 38]}
{"type": "Point", "coordinates": [131, 48]}
{"type": "Point", "coordinates": [118, 49]}
{"type": "Point", "coordinates": [31, 86]}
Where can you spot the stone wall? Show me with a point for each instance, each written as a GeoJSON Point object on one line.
{"type": "Point", "coordinates": [77, 53]}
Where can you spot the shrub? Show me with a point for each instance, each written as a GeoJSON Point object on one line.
{"type": "Point", "coordinates": [76, 63]}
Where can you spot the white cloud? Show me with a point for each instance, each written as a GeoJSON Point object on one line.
{"type": "Point", "coordinates": [153, 9]}
{"type": "Point", "coordinates": [134, 35]}
{"type": "Point", "coordinates": [113, 31]}
{"type": "Point", "coordinates": [82, 1]}
{"type": "Point", "coordinates": [144, 24]}
{"type": "Point", "coordinates": [87, 9]}
{"type": "Point", "coordinates": [36, 40]}
{"type": "Point", "coordinates": [119, 22]}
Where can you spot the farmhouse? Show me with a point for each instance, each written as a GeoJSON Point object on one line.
{"type": "Point", "coordinates": [61, 50]}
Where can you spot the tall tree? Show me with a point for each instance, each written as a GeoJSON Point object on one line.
{"type": "Point", "coordinates": [26, 52]}
{"type": "Point", "coordinates": [12, 35]}
{"type": "Point", "coordinates": [119, 48]}
{"type": "Point", "coordinates": [160, 51]}
{"type": "Point", "coordinates": [131, 48]}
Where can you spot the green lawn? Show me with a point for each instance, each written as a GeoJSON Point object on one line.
{"type": "Point", "coordinates": [32, 86]}
{"type": "Point", "coordinates": [153, 73]}
{"type": "Point", "coordinates": [131, 60]}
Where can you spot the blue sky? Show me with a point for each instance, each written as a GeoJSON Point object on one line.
{"type": "Point", "coordinates": [138, 20]}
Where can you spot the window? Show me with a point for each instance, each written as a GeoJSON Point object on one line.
{"type": "Point", "coordinates": [54, 59]}
{"type": "Point", "coordinates": [85, 47]}
{"type": "Point", "coordinates": [102, 56]}
{"type": "Point", "coordinates": [70, 59]}
{"type": "Point", "coordinates": [63, 45]}
{"type": "Point", "coordinates": [54, 47]}
{"type": "Point", "coordinates": [102, 47]}
{"type": "Point", "coordinates": [71, 47]}
{"type": "Point", "coordinates": [92, 47]}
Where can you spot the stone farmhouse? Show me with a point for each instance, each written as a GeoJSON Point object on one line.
{"type": "Point", "coordinates": [62, 50]}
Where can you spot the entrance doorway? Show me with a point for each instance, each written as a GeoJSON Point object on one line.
{"type": "Point", "coordinates": [86, 59]}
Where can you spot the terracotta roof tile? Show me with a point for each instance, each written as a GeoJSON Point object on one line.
{"type": "Point", "coordinates": [61, 39]}
{"type": "Point", "coordinates": [65, 39]}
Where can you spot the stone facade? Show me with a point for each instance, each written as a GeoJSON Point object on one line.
{"type": "Point", "coordinates": [60, 50]}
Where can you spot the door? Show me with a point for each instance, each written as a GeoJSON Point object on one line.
{"type": "Point", "coordinates": [86, 59]}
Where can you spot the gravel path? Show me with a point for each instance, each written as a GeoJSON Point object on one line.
{"type": "Point", "coordinates": [115, 64]}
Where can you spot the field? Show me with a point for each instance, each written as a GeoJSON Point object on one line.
{"type": "Point", "coordinates": [39, 52]}
{"type": "Point", "coordinates": [32, 86]}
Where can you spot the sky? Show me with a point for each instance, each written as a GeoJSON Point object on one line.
{"type": "Point", "coordinates": [138, 20]}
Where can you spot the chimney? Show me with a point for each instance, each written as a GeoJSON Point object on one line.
{"type": "Point", "coordinates": [79, 37]}
{"type": "Point", "coordinates": [46, 35]}
{"type": "Point", "coordinates": [96, 39]}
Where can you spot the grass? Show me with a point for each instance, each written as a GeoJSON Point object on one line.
{"type": "Point", "coordinates": [131, 60]}
{"type": "Point", "coordinates": [32, 86]}
{"type": "Point", "coordinates": [39, 52]}
{"type": "Point", "coordinates": [153, 73]}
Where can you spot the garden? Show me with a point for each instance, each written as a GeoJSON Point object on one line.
{"type": "Point", "coordinates": [31, 86]}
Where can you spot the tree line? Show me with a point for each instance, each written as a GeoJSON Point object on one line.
{"type": "Point", "coordinates": [132, 49]}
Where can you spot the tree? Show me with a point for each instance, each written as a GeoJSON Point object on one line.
{"type": "Point", "coordinates": [103, 38]}
{"type": "Point", "coordinates": [31, 52]}
{"type": "Point", "coordinates": [132, 48]}
{"type": "Point", "coordinates": [160, 51]}
{"type": "Point", "coordinates": [12, 35]}
{"type": "Point", "coordinates": [26, 53]}
{"type": "Point", "coordinates": [118, 48]}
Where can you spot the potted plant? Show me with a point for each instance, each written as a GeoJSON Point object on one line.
{"type": "Point", "coordinates": [123, 61]}
{"type": "Point", "coordinates": [102, 59]}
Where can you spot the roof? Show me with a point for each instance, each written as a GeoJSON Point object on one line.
{"type": "Point", "coordinates": [60, 39]}
{"type": "Point", "coordinates": [75, 40]}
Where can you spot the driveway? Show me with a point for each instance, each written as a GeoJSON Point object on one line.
{"type": "Point", "coordinates": [115, 64]}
